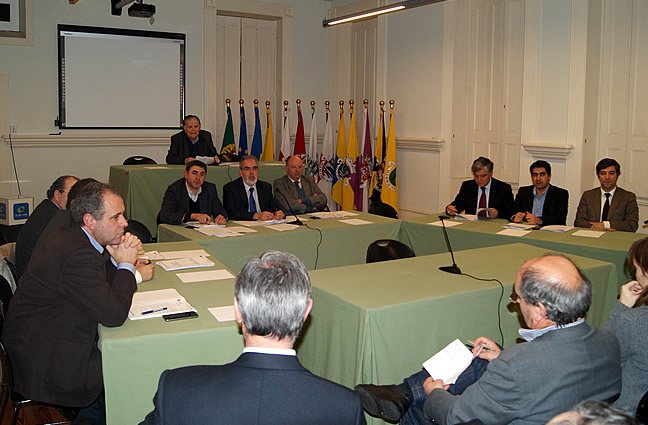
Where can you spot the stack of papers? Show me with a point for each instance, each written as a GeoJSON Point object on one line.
{"type": "Point", "coordinates": [147, 305]}
{"type": "Point", "coordinates": [225, 232]}
{"type": "Point", "coordinates": [332, 214]}
{"type": "Point", "coordinates": [449, 363]}
{"type": "Point", "coordinates": [185, 263]}
{"type": "Point", "coordinates": [521, 226]}
{"type": "Point", "coordinates": [170, 255]}
{"type": "Point", "coordinates": [557, 228]}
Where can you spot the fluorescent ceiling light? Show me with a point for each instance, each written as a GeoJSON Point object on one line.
{"type": "Point", "coordinates": [407, 4]}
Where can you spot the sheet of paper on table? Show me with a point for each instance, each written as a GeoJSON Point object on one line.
{"type": "Point", "coordinates": [557, 228]}
{"type": "Point", "coordinates": [448, 223]}
{"type": "Point", "coordinates": [254, 223]}
{"type": "Point", "coordinates": [332, 214]}
{"type": "Point", "coordinates": [223, 314]}
{"type": "Point", "coordinates": [283, 227]}
{"type": "Point", "coordinates": [204, 276]}
{"type": "Point", "coordinates": [185, 263]}
{"type": "Point", "coordinates": [170, 255]}
{"type": "Point", "coordinates": [514, 232]}
{"type": "Point", "coordinates": [355, 221]}
{"type": "Point", "coordinates": [588, 233]}
{"type": "Point", "coordinates": [150, 304]}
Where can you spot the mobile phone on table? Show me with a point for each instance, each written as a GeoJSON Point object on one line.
{"type": "Point", "coordinates": [179, 316]}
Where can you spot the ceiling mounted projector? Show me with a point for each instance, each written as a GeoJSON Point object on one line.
{"type": "Point", "coordinates": [141, 10]}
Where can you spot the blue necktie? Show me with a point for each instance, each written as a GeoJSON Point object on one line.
{"type": "Point", "coordinates": [251, 203]}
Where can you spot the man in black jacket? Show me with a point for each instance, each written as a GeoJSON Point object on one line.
{"type": "Point", "coordinates": [541, 203]}
{"type": "Point", "coordinates": [192, 143]}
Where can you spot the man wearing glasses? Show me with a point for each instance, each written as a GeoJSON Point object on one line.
{"type": "Point", "coordinates": [563, 362]}
{"type": "Point", "coordinates": [248, 198]}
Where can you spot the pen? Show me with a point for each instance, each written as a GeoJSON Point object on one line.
{"type": "Point", "coordinates": [155, 310]}
{"type": "Point", "coordinates": [481, 346]}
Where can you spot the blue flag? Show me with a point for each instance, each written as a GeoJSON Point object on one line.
{"type": "Point", "coordinates": [243, 146]}
{"type": "Point", "coordinates": [257, 146]}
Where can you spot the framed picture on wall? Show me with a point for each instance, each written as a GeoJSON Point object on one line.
{"type": "Point", "coordinates": [16, 21]}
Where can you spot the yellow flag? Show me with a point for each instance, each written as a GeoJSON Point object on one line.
{"type": "Point", "coordinates": [352, 152]}
{"type": "Point", "coordinates": [339, 173]}
{"type": "Point", "coordinates": [268, 146]}
{"type": "Point", "coordinates": [389, 193]}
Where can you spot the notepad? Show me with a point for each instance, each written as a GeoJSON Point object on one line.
{"type": "Point", "coordinates": [449, 363]}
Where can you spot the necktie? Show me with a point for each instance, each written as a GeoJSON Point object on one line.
{"type": "Point", "coordinates": [606, 207]}
{"type": "Point", "coordinates": [482, 203]}
{"type": "Point", "coordinates": [251, 204]}
{"type": "Point", "coordinates": [302, 195]}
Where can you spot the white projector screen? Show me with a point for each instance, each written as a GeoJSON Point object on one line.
{"type": "Point", "coordinates": [117, 78]}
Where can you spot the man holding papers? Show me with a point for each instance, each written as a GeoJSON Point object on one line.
{"type": "Point", "coordinates": [563, 362]}
{"type": "Point", "coordinates": [81, 275]}
{"type": "Point", "coordinates": [192, 199]}
{"type": "Point", "coordinates": [267, 384]}
{"type": "Point", "coordinates": [248, 198]}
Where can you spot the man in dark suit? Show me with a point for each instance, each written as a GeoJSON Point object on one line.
{"type": "Point", "coordinates": [80, 276]}
{"type": "Point", "coordinates": [248, 198]}
{"type": "Point", "coordinates": [493, 198]}
{"type": "Point", "coordinates": [608, 207]}
{"type": "Point", "coordinates": [192, 198]}
{"type": "Point", "coordinates": [37, 221]}
{"type": "Point", "coordinates": [296, 192]}
{"type": "Point", "coordinates": [563, 362]}
{"type": "Point", "coordinates": [266, 384]}
{"type": "Point", "coordinates": [541, 204]}
{"type": "Point", "coordinates": [192, 143]}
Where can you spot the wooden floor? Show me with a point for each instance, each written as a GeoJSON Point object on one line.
{"type": "Point", "coordinates": [33, 415]}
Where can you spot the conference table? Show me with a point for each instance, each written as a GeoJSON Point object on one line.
{"type": "Point", "coordinates": [143, 186]}
{"type": "Point", "coordinates": [373, 323]}
{"type": "Point", "coordinates": [425, 238]}
{"type": "Point", "coordinates": [321, 243]}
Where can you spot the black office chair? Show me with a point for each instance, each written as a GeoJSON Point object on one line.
{"type": "Point", "coordinates": [388, 249]}
{"type": "Point", "coordinates": [8, 393]}
{"type": "Point", "coordinates": [140, 230]}
{"type": "Point", "coordinates": [385, 210]}
{"type": "Point", "coordinates": [642, 410]}
{"type": "Point", "coordinates": [139, 160]}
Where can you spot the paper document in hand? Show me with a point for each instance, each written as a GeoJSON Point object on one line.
{"type": "Point", "coordinates": [448, 363]}
{"type": "Point", "coordinates": [147, 305]}
{"type": "Point", "coordinates": [185, 263]}
{"type": "Point", "coordinates": [469, 217]}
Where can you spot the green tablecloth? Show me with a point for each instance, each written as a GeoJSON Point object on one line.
{"type": "Point", "coordinates": [370, 323]}
{"type": "Point", "coordinates": [341, 243]}
{"type": "Point", "coordinates": [143, 186]}
{"type": "Point", "coordinates": [428, 239]}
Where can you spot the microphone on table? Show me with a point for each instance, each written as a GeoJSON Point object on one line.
{"type": "Point", "coordinates": [297, 221]}
{"type": "Point", "coordinates": [454, 269]}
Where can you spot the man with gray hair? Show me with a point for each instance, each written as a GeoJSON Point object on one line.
{"type": "Point", "coordinates": [594, 413]}
{"type": "Point", "coordinates": [563, 362]}
{"type": "Point", "coordinates": [266, 384]}
{"type": "Point", "coordinates": [484, 195]}
{"type": "Point", "coordinates": [81, 275]}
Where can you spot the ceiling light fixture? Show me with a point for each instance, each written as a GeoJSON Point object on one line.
{"type": "Point", "coordinates": [376, 11]}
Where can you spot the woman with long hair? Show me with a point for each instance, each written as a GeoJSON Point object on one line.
{"type": "Point", "coordinates": [629, 322]}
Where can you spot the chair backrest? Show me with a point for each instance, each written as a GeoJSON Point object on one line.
{"type": "Point", "coordinates": [388, 249]}
{"type": "Point", "coordinates": [642, 410]}
{"type": "Point", "coordinates": [140, 230]}
{"type": "Point", "coordinates": [139, 160]}
{"type": "Point", "coordinates": [385, 210]}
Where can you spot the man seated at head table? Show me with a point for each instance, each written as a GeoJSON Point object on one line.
{"type": "Point", "coordinates": [192, 143]}
{"type": "Point", "coordinates": [608, 207]}
{"type": "Point", "coordinates": [81, 275]}
{"type": "Point", "coordinates": [296, 192]}
{"type": "Point", "coordinates": [564, 361]}
{"type": "Point", "coordinates": [484, 195]}
{"type": "Point", "coordinates": [247, 197]}
{"type": "Point", "coordinates": [38, 219]}
{"type": "Point", "coordinates": [542, 203]}
{"type": "Point", "coordinates": [191, 198]}
{"type": "Point", "coordinates": [267, 384]}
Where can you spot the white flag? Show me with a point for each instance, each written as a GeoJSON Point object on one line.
{"type": "Point", "coordinates": [312, 160]}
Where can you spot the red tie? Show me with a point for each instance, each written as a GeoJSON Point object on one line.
{"type": "Point", "coordinates": [482, 203]}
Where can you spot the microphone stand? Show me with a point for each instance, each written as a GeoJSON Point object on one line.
{"type": "Point", "coordinates": [297, 221]}
{"type": "Point", "coordinates": [454, 269]}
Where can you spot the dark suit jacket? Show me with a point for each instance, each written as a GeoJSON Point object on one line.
{"type": "Point", "coordinates": [31, 232]}
{"type": "Point", "coordinates": [622, 215]}
{"type": "Point", "coordinates": [554, 210]}
{"type": "Point", "coordinates": [176, 202]}
{"type": "Point", "coordinates": [181, 147]}
{"type": "Point", "coordinates": [50, 330]}
{"type": "Point", "coordinates": [236, 199]}
{"type": "Point", "coordinates": [500, 197]}
{"type": "Point", "coordinates": [285, 191]}
{"type": "Point", "coordinates": [530, 383]}
{"type": "Point", "coordinates": [256, 389]}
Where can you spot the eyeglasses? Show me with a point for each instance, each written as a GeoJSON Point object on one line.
{"type": "Point", "coordinates": [514, 297]}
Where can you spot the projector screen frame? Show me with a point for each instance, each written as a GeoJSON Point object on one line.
{"type": "Point", "coordinates": [62, 99]}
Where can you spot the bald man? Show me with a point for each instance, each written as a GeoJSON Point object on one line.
{"type": "Point", "coordinates": [563, 362]}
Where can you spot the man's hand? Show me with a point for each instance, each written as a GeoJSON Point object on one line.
{"type": "Point", "coordinates": [486, 349]}
{"type": "Point", "coordinates": [217, 159]}
{"type": "Point", "coordinates": [532, 219]}
{"type": "Point", "coordinates": [201, 218]}
{"type": "Point", "coordinates": [519, 217]}
{"type": "Point", "coordinates": [263, 216]}
{"type": "Point", "coordinates": [145, 270]}
{"type": "Point", "coordinates": [432, 384]}
{"type": "Point", "coordinates": [492, 213]}
{"type": "Point", "coordinates": [278, 215]}
{"type": "Point", "coordinates": [189, 159]}
{"type": "Point", "coordinates": [220, 219]}
{"type": "Point", "coordinates": [599, 225]}
{"type": "Point", "coordinates": [630, 293]}
{"type": "Point", "coordinates": [451, 210]}
{"type": "Point", "coordinates": [126, 250]}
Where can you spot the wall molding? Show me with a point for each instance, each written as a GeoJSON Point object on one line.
{"type": "Point", "coordinates": [435, 144]}
{"type": "Point", "coordinates": [87, 140]}
{"type": "Point", "coordinates": [546, 150]}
